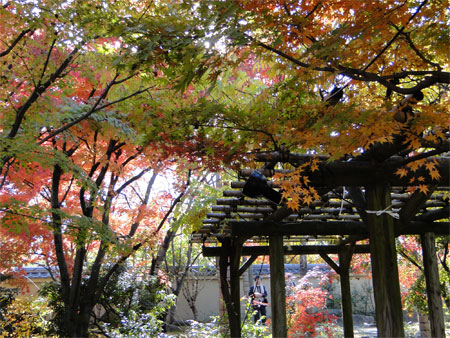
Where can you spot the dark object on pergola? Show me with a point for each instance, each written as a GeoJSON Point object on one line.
{"type": "Point", "coordinates": [360, 199]}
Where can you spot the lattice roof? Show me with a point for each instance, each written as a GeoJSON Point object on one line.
{"type": "Point", "coordinates": [334, 215]}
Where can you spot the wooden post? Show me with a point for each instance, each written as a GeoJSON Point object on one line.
{"type": "Point", "coordinates": [235, 259]}
{"type": "Point", "coordinates": [226, 260]}
{"type": "Point", "coordinates": [435, 311]}
{"type": "Point", "coordinates": [278, 287]}
{"type": "Point", "coordinates": [221, 301]}
{"type": "Point", "coordinates": [388, 306]}
{"type": "Point", "coordinates": [345, 257]}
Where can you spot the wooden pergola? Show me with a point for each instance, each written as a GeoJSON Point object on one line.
{"type": "Point", "coordinates": [362, 198]}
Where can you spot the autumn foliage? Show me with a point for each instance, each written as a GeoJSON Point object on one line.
{"type": "Point", "coordinates": [99, 98]}
{"type": "Point", "coordinates": [306, 308]}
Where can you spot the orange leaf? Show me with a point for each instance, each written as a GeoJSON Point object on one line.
{"type": "Point", "coordinates": [307, 199]}
{"type": "Point", "coordinates": [292, 204]}
{"type": "Point", "coordinates": [430, 166]}
{"type": "Point", "coordinates": [435, 174]}
{"type": "Point", "coordinates": [423, 188]}
{"type": "Point", "coordinates": [402, 172]}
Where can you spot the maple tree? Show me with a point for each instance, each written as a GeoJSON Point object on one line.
{"type": "Point", "coordinates": [307, 306]}
{"type": "Point", "coordinates": [411, 272]}
{"type": "Point", "coordinates": [87, 121]}
{"type": "Point", "coordinates": [363, 82]}
{"type": "Point", "coordinates": [98, 96]}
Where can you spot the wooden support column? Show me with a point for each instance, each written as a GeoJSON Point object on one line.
{"type": "Point", "coordinates": [343, 270]}
{"type": "Point", "coordinates": [227, 260]}
{"type": "Point", "coordinates": [345, 257]}
{"type": "Point", "coordinates": [278, 287]}
{"type": "Point", "coordinates": [221, 299]}
{"type": "Point", "coordinates": [435, 311]}
{"type": "Point", "coordinates": [235, 258]}
{"type": "Point", "coordinates": [383, 255]}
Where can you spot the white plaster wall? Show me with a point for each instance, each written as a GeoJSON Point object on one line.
{"type": "Point", "coordinates": [209, 296]}
{"type": "Point", "coordinates": [207, 301]}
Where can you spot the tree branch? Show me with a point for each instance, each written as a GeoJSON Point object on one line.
{"type": "Point", "coordinates": [81, 118]}
{"type": "Point", "coordinates": [15, 42]}
{"type": "Point", "coordinates": [39, 90]}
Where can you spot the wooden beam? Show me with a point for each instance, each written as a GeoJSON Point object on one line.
{"type": "Point", "coordinates": [331, 263]}
{"type": "Point", "coordinates": [288, 250]}
{"type": "Point", "coordinates": [267, 228]}
{"type": "Point", "coordinates": [317, 215]}
{"type": "Point", "coordinates": [278, 287]}
{"type": "Point", "coordinates": [363, 173]}
{"type": "Point", "coordinates": [434, 215]}
{"type": "Point", "coordinates": [247, 264]}
{"type": "Point", "coordinates": [413, 205]}
{"type": "Point", "coordinates": [435, 310]}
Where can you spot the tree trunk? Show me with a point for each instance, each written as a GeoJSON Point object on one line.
{"type": "Point", "coordinates": [194, 311]}
{"type": "Point", "coordinates": [77, 324]}
{"type": "Point", "coordinates": [303, 265]}
{"type": "Point", "coordinates": [424, 326]}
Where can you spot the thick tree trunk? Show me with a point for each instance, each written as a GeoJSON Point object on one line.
{"type": "Point", "coordinates": [388, 306]}
{"type": "Point", "coordinates": [77, 324]}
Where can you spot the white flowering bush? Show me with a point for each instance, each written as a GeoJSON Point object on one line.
{"type": "Point", "coordinates": [218, 328]}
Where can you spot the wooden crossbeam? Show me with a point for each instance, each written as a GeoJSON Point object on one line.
{"type": "Point", "coordinates": [363, 173]}
{"type": "Point", "coordinates": [268, 228]}
{"type": "Point", "coordinates": [288, 250]}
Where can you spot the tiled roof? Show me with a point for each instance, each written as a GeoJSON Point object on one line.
{"type": "Point", "coordinates": [37, 272]}
{"type": "Point", "coordinates": [264, 269]}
